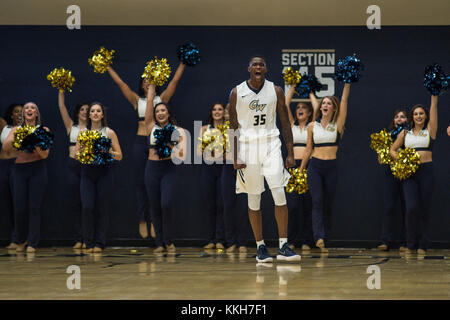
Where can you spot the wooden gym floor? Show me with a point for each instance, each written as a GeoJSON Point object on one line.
{"type": "Point", "coordinates": [192, 273]}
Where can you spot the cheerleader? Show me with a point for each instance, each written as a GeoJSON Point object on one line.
{"type": "Point", "coordinates": [393, 190]}
{"type": "Point", "coordinates": [73, 128]}
{"type": "Point", "coordinates": [13, 116]}
{"type": "Point", "coordinates": [304, 113]}
{"type": "Point", "coordinates": [235, 214]}
{"type": "Point", "coordinates": [160, 171]}
{"type": "Point", "coordinates": [211, 174]}
{"type": "Point", "coordinates": [140, 152]}
{"type": "Point", "coordinates": [97, 184]}
{"type": "Point", "coordinates": [418, 189]}
{"type": "Point", "coordinates": [324, 135]}
{"type": "Point", "coordinates": [29, 184]}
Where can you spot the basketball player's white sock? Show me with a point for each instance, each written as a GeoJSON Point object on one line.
{"type": "Point", "coordinates": [282, 242]}
{"type": "Point", "coordinates": [258, 243]}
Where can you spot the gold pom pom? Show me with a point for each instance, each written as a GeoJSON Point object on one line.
{"type": "Point", "coordinates": [224, 129]}
{"type": "Point", "coordinates": [209, 136]}
{"type": "Point", "coordinates": [381, 142]}
{"type": "Point", "coordinates": [101, 60]}
{"type": "Point", "coordinates": [298, 181]}
{"type": "Point", "coordinates": [157, 71]}
{"type": "Point", "coordinates": [291, 77]}
{"type": "Point", "coordinates": [406, 165]}
{"type": "Point", "coordinates": [86, 140]}
{"type": "Point", "coordinates": [20, 134]}
{"type": "Point", "coordinates": [216, 140]}
{"type": "Point", "coordinates": [61, 79]}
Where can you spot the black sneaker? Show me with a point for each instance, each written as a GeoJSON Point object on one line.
{"type": "Point", "coordinates": [287, 254]}
{"type": "Point", "coordinates": [263, 255]}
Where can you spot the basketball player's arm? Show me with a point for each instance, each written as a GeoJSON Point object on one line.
{"type": "Point", "coordinates": [340, 121]}
{"type": "Point", "coordinates": [234, 125]}
{"type": "Point", "coordinates": [309, 147]}
{"type": "Point", "coordinates": [397, 144]}
{"type": "Point", "coordinates": [286, 127]}
{"type": "Point", "coordinates": [149, 113]}
{"type": "Point", "coordinates": [315, 105]}
{"type": "Point", "coordinates": [129, 94]}
{"type": "Point", "coordinates": [433, 123]}
{"type": "Point", "coordinates": [288, 99]}
{"type": "Point", "coordinates": [68, 122]}
{"type": "Point", "coordinates": [167, 94]}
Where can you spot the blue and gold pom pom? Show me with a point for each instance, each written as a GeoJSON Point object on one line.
{"type": "Point", "coordinates": [94, 148]}
{"type": "Point", "coordinates": [28, 138]}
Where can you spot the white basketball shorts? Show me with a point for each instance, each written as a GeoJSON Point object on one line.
{"type": "Point", "coordinates": [263, 160]}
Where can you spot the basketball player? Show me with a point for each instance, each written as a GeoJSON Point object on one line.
{"type": "Point", "coordinates": [253, 107]}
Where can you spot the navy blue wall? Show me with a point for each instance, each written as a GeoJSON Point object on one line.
{"type": "Point", "coordinates": [394, 59]}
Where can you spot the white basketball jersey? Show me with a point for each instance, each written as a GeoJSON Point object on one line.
{"type": "Point", "coordinates": [257, 112]}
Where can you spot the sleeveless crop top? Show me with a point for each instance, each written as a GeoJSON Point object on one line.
{"type": "Point", "coordinates": [73, 134]}
{"type": "Point", "coordinates": [300, 136]}
{"type": "Point", "coordinates": [142, 106]}
{"type": "Point", "coordinates": [325, 137]}
{"type": "Point", "coordinates": [421, 142]}
{"type": "Point", "coordinates": [5, 132]}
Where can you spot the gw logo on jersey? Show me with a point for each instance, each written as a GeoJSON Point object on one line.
{"type": "Point", "coordinates": [255, 105]}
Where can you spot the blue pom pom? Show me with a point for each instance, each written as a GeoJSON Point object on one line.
{"type": "Point", "coordinates": [308, 83]}
{"type": "Point", "coordinates": [188, 54]}
{"type": "Point", "coordinates": [435, 80]}
{"type": "Point", "coordinates": [396, 131]}
{"type": "Point", "coordinates": [348, 69]}
{"type": "Point", "coordinates": [39, 138]}
{"type": "Point", "coordinates": [164, 141]}
{"type": "Point", "coordinates": [102, 156]}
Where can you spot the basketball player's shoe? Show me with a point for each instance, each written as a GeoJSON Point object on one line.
{"type": "Point", "coordinates": [262, 254]}
{"type": "Point", "coordinates": [287, 254]}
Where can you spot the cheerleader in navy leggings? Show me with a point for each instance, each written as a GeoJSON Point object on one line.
{"type": "Point", "coordinates": [73, 128]}
{"type": "Point", "coordinates": [323, 139]}
{"type": "Point", "coordinates": [304, 113]}
{"type": "Point", "coordinates": [211, 173]}
{"type": "Point", "coordinates": [97, 183]}
{"type": "Point", "coordinates": [418, 189]}
{"type": "Point", "coordinates": [13, 116]}
{"type": "Point", "coordinates": [160, 170]}
{"type": "Point", "coordinates": [235, 215]}
{"type": "Point", "coordinates": [140, 147]}
{"type": "Point", "coordinates": [393, 190]}
{"type": "Point", "coordinates": [29, 184]}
